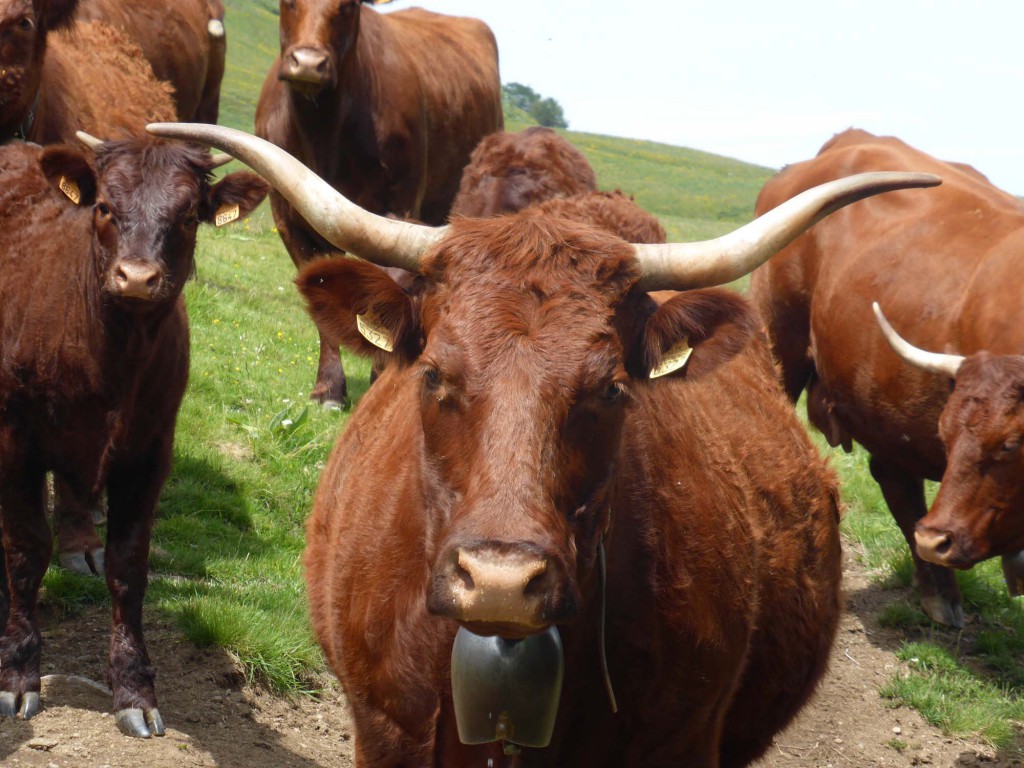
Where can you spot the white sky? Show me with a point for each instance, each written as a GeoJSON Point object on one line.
{"type": "Point", "coordinates": [769, 82]}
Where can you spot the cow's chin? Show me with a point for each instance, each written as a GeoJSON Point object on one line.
{"type": "Point", "coordinates": [503, 630]}
{"type": "Point", "coordinates": [309, 89]}
{"type": "Point", "coordinates": [136, 306]}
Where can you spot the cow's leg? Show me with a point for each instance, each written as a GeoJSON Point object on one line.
{"type": "Point", "coordinates": [304, 245]}
{"type": "Point", "coordinates": [904, 494]}
{"type": "Point", "coordinates": [74, 515]}
{"type": "Point", "coordinates": [133, 488]}
{"type": "Point", "coordinates": [27, 545]}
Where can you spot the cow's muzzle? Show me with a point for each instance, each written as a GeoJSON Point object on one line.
{"type": "Point", "coordinates": [136, 281]}
{"type": "Point", "coordinates": [306, 69]}
{"type": "Point", "coordinates": [941, 548]}
{"type": "Point", "coordinates": [500, 588]}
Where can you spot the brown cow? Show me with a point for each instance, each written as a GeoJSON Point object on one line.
{"type": "Point", "coordinates": [93, 366]}
{"type": "Point", "coordinates": [509, 171]}
{"type": "Point", "coordinates": [183, 41]}
{"type": "Point", "coordinates": [943, 267]}
{"type": "Point", "coordinates": [385, 107]}
{"type": "Point", "coordinates": [57, 77]}
{"type": "Point", "coordinates": [517, 436]}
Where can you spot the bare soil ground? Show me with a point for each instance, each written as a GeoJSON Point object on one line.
{"type": "Point", "coordinates": [214, 719]}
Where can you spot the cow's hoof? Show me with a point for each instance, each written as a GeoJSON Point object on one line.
{"type": "Point", "coordinates": [334, 405]}
{"type": "Point", "coordinates": [941, 611]}
{"type": "Point", "coordinates": [29, 705]}
{"type": "Point", "coordinates": [142, 725]}
{"type": "Point", "coordinates": [99, 517]}
{"type": "Point", "coordinates": [8, 704]}
{"type": "Point", "coordinates": [84, 563]}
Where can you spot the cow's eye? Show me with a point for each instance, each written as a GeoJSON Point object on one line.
{"type": "Point", "coordinates": [612, 393]}
{"type": "Point", "coordinates": [102, 210]}
{"type": "Point", "coordinates": [1009, 447]}
{"type": "Point", "coordinates": [25, 24]}
{"type": "Point", "coordinates": [191, 221]}
{"type": "Point", "coordinates": [432, 377]}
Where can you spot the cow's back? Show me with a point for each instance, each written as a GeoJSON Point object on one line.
{"type": "Point", "coordinates": [96, 80]}
{"type": "Point", "coordinates": [174, 39]}
{"type": "Point", "coordinates": [919, 254]}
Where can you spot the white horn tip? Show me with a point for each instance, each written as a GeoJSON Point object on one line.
{"type": "Point", "coordinates": [215, 27]}
{"type": "Point", "coordinates": [90, 141]}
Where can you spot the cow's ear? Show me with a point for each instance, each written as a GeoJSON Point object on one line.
{"type": "Point", "coordinates": [692, 333]}
{"type": "Point", "coordinates": [55, 14]}
{"type": "Point", "coordinates": [68, 170]}
{"type": "Point", "coordinates": [360, 307]}
{"type": "Point", "coordinates": [233, 197]}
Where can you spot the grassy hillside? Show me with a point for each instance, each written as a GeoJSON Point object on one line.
{"type": "Point", "coordinates": [249, 450]}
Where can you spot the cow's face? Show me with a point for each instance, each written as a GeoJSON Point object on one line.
{"type": "Point", "coordinates": [24, 25]}
{"type": "Point", "coordinates": [527, 348]}
{"type": "Point", "coordinates": [147, 200]}
{"type": "Point", "coordinates": [317, 37]}
{"type": "Point", "coordinates": [979, 510]}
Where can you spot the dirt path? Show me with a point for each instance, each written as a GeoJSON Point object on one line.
{"type": "Point", "coordinates": [214, 719]}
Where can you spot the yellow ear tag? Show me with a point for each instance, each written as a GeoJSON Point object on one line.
{"type": "Point", "coordinates": [70, 188]}
{"type": "Point", "coordinates": [226, 214]}
{"type": "Point", "coordinates": [374, 331]}
{"type": "Point", "coordinates": [674, 359]}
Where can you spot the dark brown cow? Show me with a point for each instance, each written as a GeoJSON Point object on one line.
{"type": "Point", "coordinates": [93, 366]}
{"type": "Point", "coordinates": [183, 41]}
{"type": "Point", "coordinates": [509, 171]}
{"type": "Point", "coordinates": [385, 107]}
{"type": "Point", "coordinates": [57, 77]}
{"type": "Point", "coordinates": [515, 431]}
{"type": "Point", "coordinates": [944, 268]}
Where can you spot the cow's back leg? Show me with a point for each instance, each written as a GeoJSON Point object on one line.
{"type": "Point", "coordinates": [904, 495]}
{"type": "Point", "coordinates": [304, 245]}
{"type": "Point", "coordinates": [133, 488]}
{"type": "Point", "coordinates": [74, 516]}
{"type": "Point", "coordinates": [787, 319]}
{"type": "Point", "coordinates": [27, 545]}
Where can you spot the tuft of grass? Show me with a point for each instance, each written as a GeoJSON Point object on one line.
{"type": "Point", "coordinates": [950, 696]}
{"type": "Point", "coordinates": [271, 640]}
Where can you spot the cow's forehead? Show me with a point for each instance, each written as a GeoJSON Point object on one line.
{"type": "Point", "coordinates": [153, 177]}
{"type": "Point", "coordinates": [988, 391]}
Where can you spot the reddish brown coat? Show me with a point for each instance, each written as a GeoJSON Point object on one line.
{"type": "Point", "coordinates": [385, 107]}
{"type": "Point", "coordinates": [509, 171]}
{"type": "Point", "coordinates": [59, 77]}
{"type": "Point", "coordinates": [518, 416]}
{"type": "Point", "coordinates": [176, 40]}
{"type": "Point", "coordinates": [943, 265]}
{"type": "Point", "coordinates": [93, 366]}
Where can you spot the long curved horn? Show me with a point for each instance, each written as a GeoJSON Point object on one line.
{"type": "Point", "coordinates": [681, 266]}
{"type": "Point", "coordinates": [935, 362]}
{"type": "Point", "coordinates": [385, 242]}
{"type": "Point", "coordinates": [219, 159]}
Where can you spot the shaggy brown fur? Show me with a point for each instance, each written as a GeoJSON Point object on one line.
{"type": "Point", "coordinates": [517, 421]}
{"type": "Point", "coordinates": [944, 266]}
{"type": "Point", "coordinates": [59, 77]}
{"type": "Point", "coordinates": [386, 108]}
{"type": "Point", "coordinates": [93, 366]}
{"type": "Point", "coordinates": [175, 40]}
{"type": "Point", "coordinates": [612, 211]}
{"type": "Point", "coordinates": [509, 171]}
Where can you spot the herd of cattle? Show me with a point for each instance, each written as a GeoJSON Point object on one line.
{"type": "Point", "coordinates": [570, 426]}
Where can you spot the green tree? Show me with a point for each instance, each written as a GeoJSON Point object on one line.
{"type": "Point", "coordinates": [522, 96]}
{"type": "Point", "coordinates": [548, 112]}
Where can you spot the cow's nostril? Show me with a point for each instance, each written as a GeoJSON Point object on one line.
{"type": "Point", "coordinates": [944, 545]}
{"type": "Point", "coordinates": [539, 584]}
{"type": "Point", "coordinates": [465, 577]}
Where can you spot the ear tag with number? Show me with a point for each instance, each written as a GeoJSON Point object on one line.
{"type": "Point", "coordinates": [673, 359]}
{"type": "Point", "coordinates": [70, 188]}
{"type": "Point", "coordinates": [226, 214]}
{"type": "Point", "coordinates": [374, 331]}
